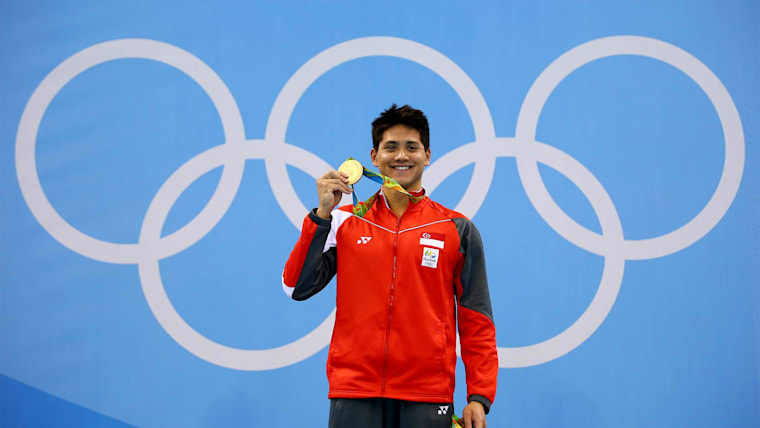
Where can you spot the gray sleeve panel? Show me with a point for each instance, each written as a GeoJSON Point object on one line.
{"type": "Point", "coordinates": [475, 295]}
{"type": "Point", "coordinates": [320, 266]}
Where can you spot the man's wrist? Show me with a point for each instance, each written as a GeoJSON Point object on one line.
{"type": "Point", "coordinates": [486, 403]}
{"type": "Point", "coordinates": [323, 213]}
{"type": "Point", "coordinates": [320, 220]}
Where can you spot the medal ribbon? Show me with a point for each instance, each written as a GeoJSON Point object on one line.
{"type": "Point", "coordinates": [361, 208]}
{"type": "Point", "coordinates": [457, 422]}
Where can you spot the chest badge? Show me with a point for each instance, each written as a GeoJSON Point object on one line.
{"type": "Point", "coordinates": [432, 239]}
{"type": "Point", "coordinates": [430, 257]}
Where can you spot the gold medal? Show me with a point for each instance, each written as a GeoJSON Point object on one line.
{"type": "Point", "coordinates": [353, 169]}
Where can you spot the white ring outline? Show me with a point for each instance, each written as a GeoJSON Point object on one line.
{"type": "Point", "coordinates": [733, 165]}
{"type": "Point", "coordinates": [538, 152]}
{"type": "Point", "coordinates": [152, 285]}
{"type": "Point", "coordinates": [347, 51]}
{"type": "Point", "coordinates": [26, 138]}
{"type": "Point", "coordinates": [614, 262]}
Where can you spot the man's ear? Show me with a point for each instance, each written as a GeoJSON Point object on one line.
{"type": "Point", "coordinates": [373, 156]}
{"type": "Point", "coordinates": [427, 157]}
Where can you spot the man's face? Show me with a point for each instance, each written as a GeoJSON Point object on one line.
{"type": "Point", "coordinates": [401, 156]}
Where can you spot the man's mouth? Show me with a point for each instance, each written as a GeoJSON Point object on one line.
{"type": "Point", "coordinates": [401, 168]}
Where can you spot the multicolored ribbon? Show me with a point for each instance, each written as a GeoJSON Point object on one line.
{"type": "Point", "coordinates": [361, 208]}
{"type": "Point", "coordinates": [456, 422]}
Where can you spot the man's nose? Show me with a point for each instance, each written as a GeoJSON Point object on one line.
{"type": "Point", "coordinates": [402, 154]}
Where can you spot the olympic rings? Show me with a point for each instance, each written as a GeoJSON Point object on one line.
{"type": "Point", "coordinates": [151, 247]}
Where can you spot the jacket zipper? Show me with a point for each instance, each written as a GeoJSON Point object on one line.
{"type": "Point", "coordinates": [390, 307]}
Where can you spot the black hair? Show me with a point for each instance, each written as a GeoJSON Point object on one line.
{"type": "Point", "coordinates": [407, 116]}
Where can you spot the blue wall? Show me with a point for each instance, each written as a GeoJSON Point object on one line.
{"type": "Point", "coordinates": [158, 157]}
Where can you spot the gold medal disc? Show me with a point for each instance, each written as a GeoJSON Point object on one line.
{"type": "Point", "coordinates": [353, 169]}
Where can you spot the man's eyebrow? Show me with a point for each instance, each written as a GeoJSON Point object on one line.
{"type": "Point", "coordinates": [406, 142]}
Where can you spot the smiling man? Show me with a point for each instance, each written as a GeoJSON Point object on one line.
{"type": "Point", "coordinates": [410, 272]}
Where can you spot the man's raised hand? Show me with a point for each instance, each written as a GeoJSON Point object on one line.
{"type": "Point", "coordinates": [330, 188]}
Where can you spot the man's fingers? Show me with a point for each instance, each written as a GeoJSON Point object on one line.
{"type": "Point", "coordinates": [480, 420]}
{"type": "Point", "coordinates": [467, 419]}
{"type": "Point", "coordinates": [474, 420]}
{"type": "Point", "coordinates": [333, 184]}
{"type": "Point", "coordinates": [329, 189]}
{"type": "Point", "coordinates": [332, 174]}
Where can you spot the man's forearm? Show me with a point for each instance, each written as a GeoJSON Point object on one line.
{"type": "Point", "coordinates": [309, 268]}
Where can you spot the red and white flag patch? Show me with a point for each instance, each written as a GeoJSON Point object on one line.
{"type": "Point", "coordinates": [432, 239]}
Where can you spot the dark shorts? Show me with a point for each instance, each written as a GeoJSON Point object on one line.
{"type": "Point", "coordinates": [388, 413]}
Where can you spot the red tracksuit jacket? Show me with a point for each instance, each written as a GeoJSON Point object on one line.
{"type": "Point", "coordinates": [402, 285]}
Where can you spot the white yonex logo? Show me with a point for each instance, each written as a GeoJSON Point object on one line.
{"type": "Point", "coordinates": [152, 247]}
{"type": "Point", "coordinates": [442, 410]}
{"type": "Point", "coordinates": [363, 239]}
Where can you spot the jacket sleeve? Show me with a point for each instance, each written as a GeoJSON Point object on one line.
{"type": "Point", "coordinates": [312, 263]}
{"type": "Point", "coordinates": [476, 328]}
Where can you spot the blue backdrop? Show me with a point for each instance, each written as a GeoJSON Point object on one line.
{"type": "Point", "coordinates": [158, 157]}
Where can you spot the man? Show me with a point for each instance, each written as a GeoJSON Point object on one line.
{"type": "Point", "coordinates": [407, 269]}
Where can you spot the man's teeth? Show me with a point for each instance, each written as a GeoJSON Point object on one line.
{"type": "Point", "coordinates": [401, 167]}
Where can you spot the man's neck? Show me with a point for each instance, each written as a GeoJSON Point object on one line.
{"type": "Point", "coordinates": [397, 201]}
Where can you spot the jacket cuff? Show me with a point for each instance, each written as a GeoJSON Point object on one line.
{"type": "Point", "coordinates": [482, 400]}
{"type": "Point", "coordinates": [319, 220]}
